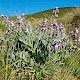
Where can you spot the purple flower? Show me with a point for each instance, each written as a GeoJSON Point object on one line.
{"type": "Point", "coordinates": [56, 10]}
{"type": "Point", "coordinates": [57, 43]}
{"type": "Point", "coordinates": [14, 30]}
{"type": "Point", "coordinates": [56, 34]}
{"type": "Point", "coordinates": [51, 24]}
{"type": "Point", "coordinates": [61, 25]}
{"type": "Point", "coordinates": [44, 21]}
{"type": "Point", "coordinates": [4, 16]}
{"type": "Point", "coordinates": [43, 28]}
{"type": "Point", "coordinates": [71, 32]}
{"type": "Point", "coordinates": [53, 46]}
{"type": "Point", "coordinates": [56, 24]}
{"type": "Point", "coordinates": [55, 40]}
{"type": "Point", "coordinates": [53, 30]}
{"type": "Point", "coordinates": [20, 19]}
{"type": "Point", "coordinates": [56, 15]}
{"type": "Point", "coordinates": [78, 41]}
{"type": "Point", "coordinates": [75, 35]}
{"type": "Point", "coordinates": [56, 46]}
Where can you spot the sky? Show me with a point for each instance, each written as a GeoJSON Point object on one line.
{"type": "Point", "coordinates": [16, 7]}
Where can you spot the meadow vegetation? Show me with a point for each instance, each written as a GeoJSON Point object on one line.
{"type": "Point", "coordinates": [42, 46]}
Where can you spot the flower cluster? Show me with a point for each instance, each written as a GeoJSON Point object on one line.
{"type": "Point", "coordinates": [42, 46]}
{"type": "Point", "coordinates": [74, 32]}
{"type": "Point", "coordinates": [74, 35]}
{"type": "Point", "coordinates": [55, 11]}
{"type": "Point", "coordinates": [18, 24]}
{"type": "Point", "coordinates": [57, 44]}
{"type": "Point", "coordinates": [56, 30]}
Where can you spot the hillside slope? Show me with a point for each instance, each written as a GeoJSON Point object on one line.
{"type": "Point", "coordinates": [69, 16]}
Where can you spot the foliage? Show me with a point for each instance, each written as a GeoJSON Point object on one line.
{"type": "Point", "coordinates": [35, 53]}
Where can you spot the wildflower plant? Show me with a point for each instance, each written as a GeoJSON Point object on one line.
{"type": "Point", "coordinates": [33, 52]}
